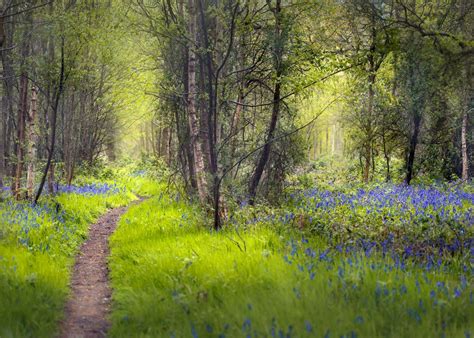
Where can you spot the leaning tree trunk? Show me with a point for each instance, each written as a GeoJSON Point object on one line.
{"type": "Point", "coordinates": [58, 94]}
{"type": "Point", "coordinates": [32, 140]}
{"type": "Point", "coordinates": [278, 50]}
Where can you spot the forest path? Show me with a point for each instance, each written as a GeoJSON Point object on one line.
{"type": "Point", "coordinates": [89, 303]}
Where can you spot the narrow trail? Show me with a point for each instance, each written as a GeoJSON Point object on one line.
{"type": "Point", "coordinates": [88, 306]}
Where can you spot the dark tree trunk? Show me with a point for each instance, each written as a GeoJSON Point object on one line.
{"type": "Point", "coordinates": [412, 148]}
{"type": "Point", "coordinates": [265, 154]}
{"type": "Point", "coordinates": [278, 50]}
{"type": "Point", "coordinates": [58, 94]}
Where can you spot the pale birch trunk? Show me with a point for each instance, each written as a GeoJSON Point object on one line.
{"type": "Point", "coordinates": [192, 116]}
{"type": "Point", "coordinates": [32, 140]}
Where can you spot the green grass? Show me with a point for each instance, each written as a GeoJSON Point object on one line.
{"type": "Point", "coordinates": [172, 277]}
{"type": "Point", "coordinates": [37, 250]}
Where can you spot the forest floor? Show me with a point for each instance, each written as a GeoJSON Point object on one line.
{"type": "Point", "coordinates": [89, 303]}
{"type": "Point", "coordinates": [332, 262]}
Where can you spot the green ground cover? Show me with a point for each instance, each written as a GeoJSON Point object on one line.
{"type": "Point", "coordinates": [38, 245]}
{"type": "Point", "coordinates": [267, 277]}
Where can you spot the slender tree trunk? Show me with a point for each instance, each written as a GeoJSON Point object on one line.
{"type": "Point", "coordinates": [32, 139]}
{"type": "Point", "coordinates": [204, 120]}
{"type": "Point", "coordinates": [266, 149]}
{"type": "Point", "coordinates": [2, 143]}
{"type": "Point", "coordinates": [467, 99]}
{"type": "Point", "coordinates": [169, 146]}
{"type": "Point", "coordinates": [370, 101]}
{"type": "Point", "coordinates": [58, 94]}
{"type": "Point", "coordinates": [164, 139]}
{"type": "Point", "coordinates": [278, 50]}
{"type": "Point", "coordinates": [412, 148]}
{"type": "Point", "coordinates": [196, 145]}
{"type": "Point", "coordinates": [465, 160]}
{"type": "Point", "coordinates": [367, 158]}
{"type": "Point", "coordinates": [369, 117]}
{"type": "Point", "coordinates": [3, 115]}
{"type": "Point", "coordinates": [387, 158]}
{"type": "Point", "coordinates": [20, 144]}
{"type": "Point", "coordinates": [8, 75]}
{"type": "Point", "coordinates": [211, 116]}
{"type": "Point", "coordinates": [51, 175]}
{"type": "Point", "coordinates": [3, 137]}
{"type": "Point", "coordinates": [235, 123]}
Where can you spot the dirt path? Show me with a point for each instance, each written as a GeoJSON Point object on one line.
{"type": "Point", "coordinates": [87, 309]}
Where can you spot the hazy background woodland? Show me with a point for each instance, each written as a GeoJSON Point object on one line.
{"type": "Point", "coordinates": [235, 95]}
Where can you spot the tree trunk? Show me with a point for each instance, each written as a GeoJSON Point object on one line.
{"type": "Point", "coordinates": [2, 143]}
{"type": "Point", "coordinates": [20, 142]}
{"type": "Point", "coordinates": [465, 160]}
{"type": "Point", "coordinates": [51, 188]}
{"type": "Point", "coordinates": [9, 83]}
{"type": "Point", "coordinates": [412, 148]}
{"type": "Point", "coordinates": [164, 139]}
{"type": "Point", "coordinates": [32, 139]}
{"type": "Point", "coordinates": [370, 101]}
{"type": "Point", "coordinates": [386, 154]}
{"type": "Point", "coordinates": [467, 99]}
{"type": "Point", "coordinates": [196, 145]}
{"type": "Point", "coordinates": [278, 50]}
{"type": "Point", "coordinates": [234, 127]}
{"type": "Point", "coordinates": [4, 112]}
{"type": "Point", "coordinates": [367, 157]}
{"type": "Point", "coordinates": [57, 97]}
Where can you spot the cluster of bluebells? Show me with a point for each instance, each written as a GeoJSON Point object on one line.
{"type": "Point", "coordinates": [5, 192]}
{"type": "Point", "coordinates": [90, 189]}
{"type": "Point", "coordinates": [425, 223]}
{"type": "Point", "coordinates": [339, 264]}
{"type": "Point", "coordinates": [397, 203]}
{"type": "Point", "coordinates": [25, 219]}
{"type": "Point", "coordinates": [250, 330]}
